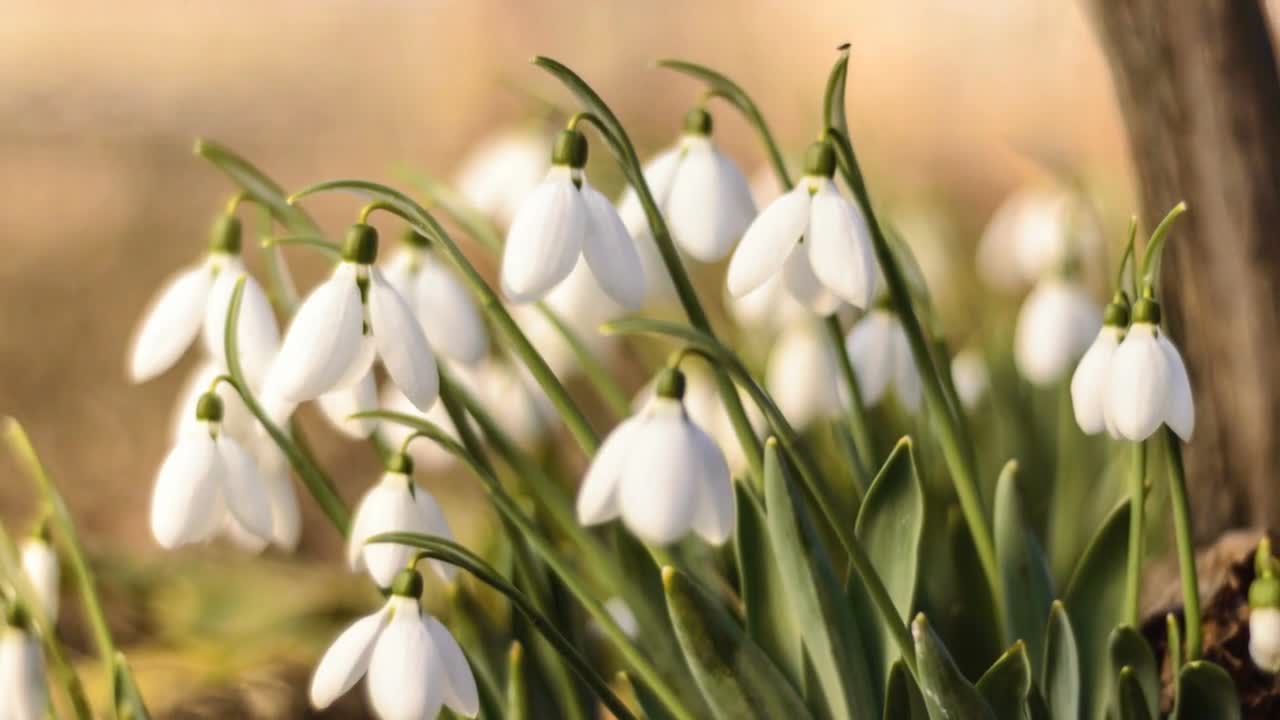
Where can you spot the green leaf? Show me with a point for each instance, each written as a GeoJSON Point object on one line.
{"type": "Point", "coordinates": [1028, 586]}
{"type": "Point", "coordinates": [517, 693]}
{"type": "Point", "coordinates": [1007, 684]}
{"type": "Point", "coordinates": [264, 191]}
{"type": "Point", "coordinates": [128, 700]}
{"type": "Point", "coordinates": [1205, 691]}
{"type": "Point", "coordinates": [833, 114]}
{"type": "Point", "coordinates": [947, 694]}
{"type": "Point", "coordinates": [1173, 636]}
{"type": "Point", "coordinates": [1155, 246]}
{"type": "Point", "coordinates": [815, 597]}
{"type": "Point", "coordinates": [902, 698]}
{"type": "Point", "coordinates": [736, 677]}
{"type": "Point", "coordinates": [1060, 678]}
{"type": "Point", "coordinates": [770, 622]}
{"type": "Point", "coordinates": [1095, 600]}
{"type": "Point", "coordinates": [1131, 701]}
{"type": "Point", "coordinates": [891, 527]}
{"type": "Point", "coordinates": [1129, 649]}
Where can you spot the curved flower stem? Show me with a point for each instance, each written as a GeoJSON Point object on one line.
{"type": "Point", "coordinates": [1155, 248]}
{"type": "Point", "coordinates": [1137, 528]}
{"type": "Point", "coordinates": [625, 153]}
{"type": "Point", "coordinates": [1186, 547]}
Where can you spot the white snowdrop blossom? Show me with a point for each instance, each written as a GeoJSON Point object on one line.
{"type": "Point", "coordinates": [40, 565]}
{"type": "Point", "coordinates": [337, 406]}
{"type": "Point", "coordinates": [661, 473]}
{"type": "Point", "coordinates": [768, 308]}
{"type": "Point", "coordinates": [206, 477]}
{"type": "Point", "coordinates": [814, 237]}
{"type": "Point", "coordinates": [579, 303]}
{"type": "Point", "coordinates": [413, 665]}
{"type": "Point", "coordinates": [706, 410]}
{"type": "Point", "coordinates": [881, 355]}
{"type": "Point", "coordinates": [565, 218]}
{"type": "Point", "coordinates": [502, 170]}
{"type": "Point", "coordinates": [236, 418]}
{"type": "Point", "coordinates": [1147, 384]}
{"type": "Point", "coordinates": [394, 504]}
{"type": "Point", "coordinates": [1089, 382]}
{"type": "Point", "coordinates": [449, 317]}
{"type": "Point", "coordinates": [516, 401]}
{"type": "Point", "coordinates": [23, 693]}
{"type": "Point", "coordinates": [1035, 231]}
{"type": "Point", "coordinates": [197, 297]}
{"type": "Point", "coordinates": [970, 376]}
{"type": "Point", "coordinates": [1056, 324]}
{"type": "Point", "coordinates": [1264, 638]}
{"type": "Point", "coordinates": [344, 324]}
{"type": "Point", "coordinates": [801, 374]}
{"type": "Point", "coordinates": [282, 501]}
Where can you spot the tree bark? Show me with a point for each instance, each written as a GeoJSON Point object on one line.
{"type": "Point", "coordinates": [1198, 87]}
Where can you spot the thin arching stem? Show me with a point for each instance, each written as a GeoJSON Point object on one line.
{"type": "Point", "coordinates": [1181, 507]}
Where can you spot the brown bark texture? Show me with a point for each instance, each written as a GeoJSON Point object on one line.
{"type": "Point", "coordinates": [1198, 88]}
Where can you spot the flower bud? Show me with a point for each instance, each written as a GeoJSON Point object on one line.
{"type": "Point", "coordinates": [1264, 612]}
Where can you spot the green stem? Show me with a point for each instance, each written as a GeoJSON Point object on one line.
{"type": "Point", "coordinates": [597, 374]}
{"type": "Point", "coordinates": [1137, 530]}
{"type": "Point", "coordinates": [1186, 547]}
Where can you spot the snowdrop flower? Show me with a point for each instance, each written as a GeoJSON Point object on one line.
{"type": "Point", "coordinates": [237, 421]}
{"type": "Point", "coordinates": [661, 473]}
{"type": "Point", "coordinates": [1264, 611]}
{"type": "Point", "coordinates": [701, 192]}
{"type": "Point", "coordinates": [339, 405]}
{"type": "Point", "coordinates": [768, 307]}
{"type": "Point", "coordinates": [563, 219]}
{"type": "Point", "coordinates": [816, 238]}
{"type": "Point", "coordinates": [518, 404]}
{"type": "Point", "coordinates": [207, 475]}
{"type": "Point", "coordinates": [414, 665]}
{"type": "Point", "coordinates": [501, 172]}
{"type": "Point", "coordinates": [22, 676]}
{"type": "Point", "coordinates": [881, 355]}
{"type": "Point", "coordinates": [1055, 325]}
{"type": "Point", "coordinates": [801, 374]}
{"type": "Point", "coordinates": [969, 375]}
{"type": "Point", "coordinates": [449, 317]}
{"type": "Point", "coordinates": [1147, 383]}
{"type": "Point", "coordinates": [394, 504]}
{"type": "Point", "coordinates": [1034, 231]}
{"type": "Point", "coordinates": [281, 499]}
{"type": "Point", "coordinates": [582, 306]}
{"type": "Point", "coordinates": [1089, 382]}
{"type": "Point", "coordinates": [197, 297]}
{"type": "Point", "coordinates": [706, 410]}
{"type": "Point", "coordinates": [343, 324]}
{"type": "Point", "coordinates": [40, 565]}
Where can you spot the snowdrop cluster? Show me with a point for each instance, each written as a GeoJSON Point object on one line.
{"type": "Point", "coordinates": [394, 504]}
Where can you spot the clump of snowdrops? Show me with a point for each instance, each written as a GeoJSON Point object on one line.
{"type": "Point", "coordinates": [736, 547]}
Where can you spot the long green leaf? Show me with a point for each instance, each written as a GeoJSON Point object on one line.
{"type": "Point", "coordinates": [129, 704]}
{"type": "Point", "coordinates": [1095, 601]}
{"type": "Point", "coordinates": [1205, 691]}
{"type": "Point", "coordinates": [826, 623]}
{"type": "Point", "coordinates": [736, 677]}
{"type": "Point", "coordinates": [1024, 571]}
{"type": "Point", "coordinates": [517, 693]}
{"type": "Point", "coordinates": [947, 694]}
{"type": "Point", "coordinates": [262, 189]}
{"type": "Point", "coordinates": [1127, 648]}
{"type": "Point", "coordinates": [1060, 676]}
{"type": "Point", "coordinates": [770, 622]}
{"type": "Point", "coordinates": [902, 698]}
{"type": "Point", "coordinates": [1007, 684]}
{"type": "Point", "coordinates": [1131, 701]}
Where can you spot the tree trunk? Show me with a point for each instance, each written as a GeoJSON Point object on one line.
{"type": "Point", "coordinates": [1198, 86]}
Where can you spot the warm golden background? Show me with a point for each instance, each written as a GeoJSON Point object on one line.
{"type": "Point", "coordinates": [102, 198]}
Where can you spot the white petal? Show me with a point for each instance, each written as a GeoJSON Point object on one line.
{"type": "Point", "coordinates": [346, 660]}
{"type": "Point", "coordinates": [545, 238]}
{"type": "Point", "coordinates": [258, 334]}
{"type": "Point", "coordinates": [906, 376]}
{"type": "Point", "coordinates": [840, 247]}
{"type": "Point", "coordinates": [1056, 323]}
{"type": "Point", "coordinates": [170, 324]}
{"type": "Point", "coordinates": [242, 488]}
{"type": "Point", "coordinates": [460, 694]}
{"type": "Point", "coordinates": [710, 206]}
{"type": "Point", "coordinates": [803, 285]}
{"type": "Point", "coordinates": [971, 378]}
{"type": "Point", "coordinates": [403, 348]}
{"type": "Point", "coordinates": [610, 252]}
{"type": "Point", "coordinates": [801, 374]}
{"type": "Point", "coordinates": [501, 172]}
{"type": "Point", "coordinates": [1264, 638]}
{"type": "Point", "coordinates": [339, 405]}
{"type": "Point", "coordinates": [387, 507]}
{"type": "Point", "coordinates": [286, 516]}
{"type": "Point", "coordinates": [449, 316]}
{"type": "Point", "coordinates": [22, 678]}
{"type": "Point", "coordinates": [1089, 382]}
{"type": "Point", "coordinates": [434, 523]}
{"type": "Point", "coordinates": [323, 342]}
{"type": "Point", "coordinates": [598, 495]}
{"type": "Point", "coordinates": [870, 347]}
{"type": "Point", "coordinates": [406, 677]}
{"type": "Point", "coordinates": [187, 492]}
{"type": "Point", "coordinates": [655, 492]}
{"type": "Point", "coordinates": [1182, 409]}
{"type": "Point", "coordinates": [715, 515]}
{"type": "Point", "coordinates": [768, 242]}
{"type": "Point", "coordinates": [1138, 385]}
{"type": "Point", "coordinates": [40, 565]}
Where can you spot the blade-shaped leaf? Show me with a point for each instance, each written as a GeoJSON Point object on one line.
{"type": "Point", "coordinates": [1060, 678]}
{"type": "Point", "coordinates": [1131, 701]}
{"type": "Point", "coordinates": [1024, 572]}
{"type": "Point", "coordinates": [735, 676]}
{"type": "Point", "coordinates": [815, 598]}
{"type": "Point", "coordinates": [902, 698]}
{"type": "Point", "coordinates": [1095, 600]}
{"type": "Point", "coordinates": [1127, 648]}
{"type": "Point", "coordinates": [1007, 684]}
{"type": "Point", "coordinates": [517, 694]}
{"type": "Point", "coordinates": [947, 694]}
{"type": "Point", "coordinates": [1205, 691]}
{"type": "Point", "coordinates": [265, 191]}
{"type": "Point", "coordinates": [128, 700]}
{"type": "Point", "coordinates": [770, 622]}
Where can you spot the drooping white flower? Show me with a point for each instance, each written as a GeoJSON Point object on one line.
{"type": "Point", "coordinates": [769, 307]}
{"type": "Point", "coordinates": [565, 218]}
{"type": "Point", "coordinates": [516, 401]}
{"type": "Point", "coordinates": [237, 421]}
{"type": "Point", "coordinates": [1056, 324]}
{"type": "Point", "coordinates": [1264, 638]}
{"type": "Point", "coordinates": [339, 405]}
{"type": "Point", "coordinates": [1147, 384]}
{"type": "Point", "coordinates": [501, 171]}
{"type": "Point", "coordinates": [414, 665]}
{"type": "Point", "coordinates": [23, 692]}
{"type": "Point", "coordinates": [1034, 232]}
{"type": "Point", "coordinates": [394, 504]}
{"type": "Point", "coordinates": [207, 475]}
{"type": "Point", "coordinates": [969, 375]}
{"type": "Point", "coordinates": [347, 321]}
{"type": "Point", "coordinates": [881, 355]}
{"type": "Point", "coordinates": [449, 317]}
{"type": "Point", "coordinates": [706, 410]}
{"type": "Point", "coordinates": [661, 473]}
{"type": "Point", "coordinates": [802, 374]}
{"type": "Point", "coordinates": [582, 307]}
{"type": "Point", "coordinates": [197, 297]}
{"type": "Point", "coordinates": [40, 565]}
{"type": "Point", "coordinates": [816, 238]}
{"type": "Point", "coordinates": [281, 498]}
{"type": "Point", "coordinates": [1089, 382]}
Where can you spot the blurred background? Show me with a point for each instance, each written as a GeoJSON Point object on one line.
{"type": "Point", "coordinates": [953, 106]}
